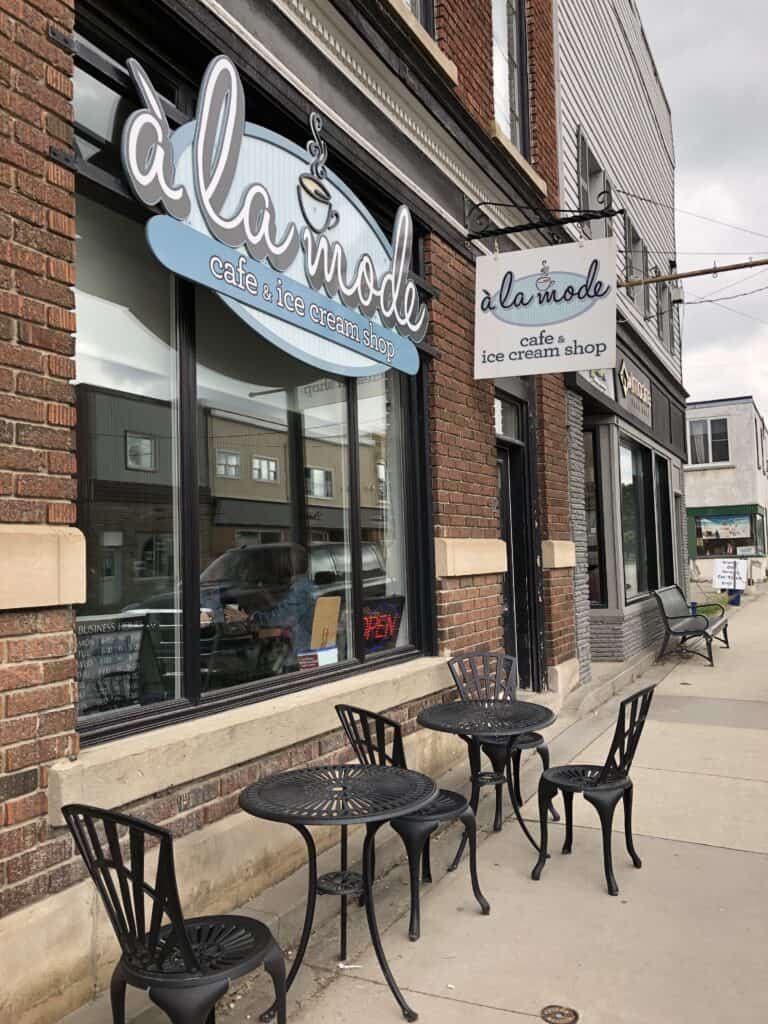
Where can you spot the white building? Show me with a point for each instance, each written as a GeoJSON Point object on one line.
{"type": "Point", "coordinates": [726, 483]}
{"type": "Point", "coordinates": [627, 424]}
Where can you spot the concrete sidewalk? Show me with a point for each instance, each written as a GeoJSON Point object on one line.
{"type": "Point", "coordinates": [684, 942]}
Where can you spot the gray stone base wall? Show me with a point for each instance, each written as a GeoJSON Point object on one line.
{"type": "Point", "coordinates": [617, 638]}
{"type": "Point", "coordinates": [578, 518]}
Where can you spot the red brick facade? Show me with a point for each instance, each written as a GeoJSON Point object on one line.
{"type": "Point", "coordinates": [464, 33]}
{"type": "Point", "coordinates": [37, 437]}
{"type": "Point", "coordinates": [543, 103]}
{"type": "Point", "coordinates": [463, 452]}
{"type": "Point", "coordinates": [37, 414]}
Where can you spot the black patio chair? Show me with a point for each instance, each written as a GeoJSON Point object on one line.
{"type": "Point", "coordinates": [376, 739]}
{"type": "Point", "coordinates": [602, 785]}
{"type": "Point", "coordinates": [683, 625]}
{"type": "Point", "coordinates": [486, 676]}
{"type": "Point", "coordinates": [186, 964]}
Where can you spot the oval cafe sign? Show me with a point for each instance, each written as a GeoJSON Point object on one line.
{"type": "Point", "coordinates": [283, 241]}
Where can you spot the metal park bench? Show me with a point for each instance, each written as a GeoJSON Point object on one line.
{"type": "Point", "coordinates": [683, 625]}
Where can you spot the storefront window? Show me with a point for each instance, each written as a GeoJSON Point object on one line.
{"type": "Point", "coordinates": [729, 536]}
{"type": "Point", "coordinates": [595, 550]}
{"type": "Point", "coordinates": [646, 520]}
{"type": "Point", "coordinates": [301, 493]}
{"type": "Point", "coordinates": [637, 523]}
{"type": "Point", "coordinates": [128, 630]}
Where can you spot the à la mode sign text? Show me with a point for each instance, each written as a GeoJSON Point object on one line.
{"type": "Point", "coordinates": [546, 310]}
{"type": "Point", "coordinates": [295, 254]}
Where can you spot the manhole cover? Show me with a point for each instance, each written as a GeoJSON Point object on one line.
{"type": "Point", "coordinates": [559, 1015]}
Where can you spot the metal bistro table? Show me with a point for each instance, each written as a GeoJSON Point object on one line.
{"type": "Point", "coordinates": [344, 795]}
{"type": "Point", "coordinates": [478, 720]}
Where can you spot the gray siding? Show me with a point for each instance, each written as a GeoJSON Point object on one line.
{"type": "Point", "coordinates": [578, 518]}
{"type": "Point", "coordinates": [608, 86]}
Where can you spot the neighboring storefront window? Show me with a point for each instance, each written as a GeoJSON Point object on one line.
{"type": "Point", "coordinates": [593, 509]}
{"type": "Point", "coordinates": [729, 536]}
{"type": "Point", "coordinates": [646, 520]}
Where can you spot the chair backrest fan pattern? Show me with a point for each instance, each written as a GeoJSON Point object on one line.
{"type": "Point", "coordinates": [633, 712]}
{"type": "Point", "coordinates": [485, 676]}
{"type": "Point", "coordinates": [118, 869]}
{"type": "Point", "coordinates": [370, 734]}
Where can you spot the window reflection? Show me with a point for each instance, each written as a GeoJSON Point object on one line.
{"type": "Point", "coordinates": [128, 638]}
{"type": "Point", "coordinates": [274, 542]}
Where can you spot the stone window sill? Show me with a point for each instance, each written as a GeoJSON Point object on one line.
{"type": "Point", "coordinates": [689, 468]}
{"type": "Point", "coordinates": [123, 771]}
{"type": "Point", "coordinates": [502, 140]}
{"type": "Point", "coordinates": [425, 40]}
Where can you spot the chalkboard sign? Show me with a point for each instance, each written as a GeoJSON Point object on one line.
{"type": "Point", "coordinates": [108, 658]}
{"type": "Point", "coordinates": [381, 622]}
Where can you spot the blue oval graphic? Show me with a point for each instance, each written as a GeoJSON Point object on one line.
{"type": "Point", "coordinates": [538, 300]}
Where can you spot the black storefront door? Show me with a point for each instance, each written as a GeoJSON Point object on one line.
{"type": "Point", "coordinates": [519, 610]}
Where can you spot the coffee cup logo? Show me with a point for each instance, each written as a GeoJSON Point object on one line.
{"type": "Point", "coordinates": [314, 196]}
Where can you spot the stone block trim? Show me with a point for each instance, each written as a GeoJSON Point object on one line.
{"type": "Point", "coordinates": [463, 32]}
{"type": "Point", "coordinates": [578, 516]}
{"type": "Point", "coordinates": [617, 639]}
{"type": "Point", "coordinates": [36, 860]}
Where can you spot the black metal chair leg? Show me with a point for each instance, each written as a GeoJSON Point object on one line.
{"type": "Point", "coordinates": [516, 755]}
{"type": "Point", "coordinates": [426, 867]}
{"type": "Point", "coordinates": [605, 802]}
{"type": "Point", "coordinates": [546, 792]}
{"type": "Point", "coordinates": [373, 928]}
{"type": "Point", "coordinates": [274, 965]}
{"type": "Point", "coordinates": [516, 807]}
{"type": "Point", "coordinates": [474, 799]}
{"type": "Point", "coordinates": [343, 867]}
{"type": "Point", "coordinates": [627, 797]}
{"type": "Point", "coordinates": [415, 837]}
{"type": "Point", "coordinates": [543, 752]}
{"type": "Point", "coordinates": [117, 995]}
{"type": "Point", "coordinates": [188, 1005]}
{"type": "Point", "coordinates": [309, 916]}
{"type": "Point", "coordinates": [664, 646]}
{"type": "Point", "coordinates": [568, 801]}
{"type": "Point", "coordinates": [725, 635]}
{"type": "Point", "coordinates": [468, 821]}
{"type": "Point", "coordinates": [498, 817]}
{"type": "Point", "coordinates": [710, 659]}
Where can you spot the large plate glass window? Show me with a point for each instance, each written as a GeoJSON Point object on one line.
{"type": "Point", "coordinates": [128, 640]}
{"type": "Point", "coordinates": [646, 520]}
{"type": "Point", "coordinates": [593, 509]}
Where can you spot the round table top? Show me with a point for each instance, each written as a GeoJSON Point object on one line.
{"type": "Point", "coordinates": [487, 718]}
{"type": "Point", "coordinates": [346, 794]}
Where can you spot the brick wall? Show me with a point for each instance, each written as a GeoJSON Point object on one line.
{"type": "Point", "coordinates": [463, 442]}
{"type": "Point", "coordinates": [554, 514]}
{"type": "Point", "coordinates": [541, 81]}
{"type": "Point", "coordinates": [37, 861]}
{"type": "Point", "coordinates": [464, 33]}
{"type": "Point", "coordinates": [37, 230]}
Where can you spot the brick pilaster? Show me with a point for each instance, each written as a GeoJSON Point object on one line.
{"type": "Point", "coordinates": [464, 32]}
{"type": "Point", "coordinates": [37, 416]}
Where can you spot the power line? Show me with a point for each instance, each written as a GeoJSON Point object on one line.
{"type": "Point", "coordinates": [739, 312]}
{"type": "Point", "coordinates": [738, 295]}
{"type": "Point", "coordinates": [690, 213]}
{"type": "Point", "coordinates": [723, 287]}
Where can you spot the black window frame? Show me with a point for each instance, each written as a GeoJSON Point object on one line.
{"type": "Point", "coordinates": [112, 191]}
{"type": "Point", "coordinates": [658, 529]}
{"type": "Point", "coordinates": [591, 435]}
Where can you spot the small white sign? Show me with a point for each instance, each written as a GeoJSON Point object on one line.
{"type": "Point", "coordinates": [546, 310]}
{"type": "Point", "coordinates": [729, 574]}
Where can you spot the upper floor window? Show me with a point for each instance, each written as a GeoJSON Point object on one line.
{"type": "Point", "coordinates": [228, 464]}
{"type": "Point", "coordinates": [665, 323]}
{"type": "Point", "coordinates": [424, 12]}
{"type": "Point", "coordinates": [510, 71]}
{"type": "Point", "coordinates": [594, 189]}
{"type": "Point", "coordinates": [319, 482]}
{"type": "Point", "coordinates": [140, 452]}
{"type": "Point", "coordinates": [708, 441]}
{"type": "Point", "coordinates": [263, 468]}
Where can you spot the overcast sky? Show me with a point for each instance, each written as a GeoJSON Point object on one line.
{"type": "Point", "coordinates": [712, 62]}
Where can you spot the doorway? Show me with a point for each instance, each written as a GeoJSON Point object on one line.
{"type": "Point", "coordinates": [522, 635]}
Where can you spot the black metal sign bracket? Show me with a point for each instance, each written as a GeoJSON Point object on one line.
{"type": "Point", "coordinates": [479, 224]}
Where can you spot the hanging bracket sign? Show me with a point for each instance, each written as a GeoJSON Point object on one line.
{"type": "Point", "coordinates": [284, 242]}
{"type": "Point", "coordinates": [546, 310]}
